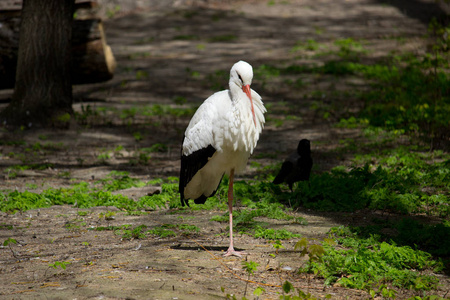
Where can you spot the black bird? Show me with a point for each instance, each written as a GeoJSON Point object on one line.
{"type": "Point", "coordinates": [297, 167]}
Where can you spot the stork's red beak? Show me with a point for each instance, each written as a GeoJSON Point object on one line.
{"type": "Point", "coordinates": [247, 91]}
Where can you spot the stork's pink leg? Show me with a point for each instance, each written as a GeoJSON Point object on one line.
{"type": "Point", "coordinates": [231, 250]}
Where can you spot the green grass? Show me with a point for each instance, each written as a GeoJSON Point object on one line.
{"type": "Point", "coordinates": [346, 48]}
{"type": "Point", "coordinates": [431, 238]}
{"type": "Point", "coordinates": [309, 45]}
{"type": "Point", "coordinates": [85, 195]}
{"type": "Point", "coordinates": [414, 99]}
{"type": "Point", "coordinates": [119, 181]}
{"type": "Point", "coordinates": [407, 93]}
{"type": "Point", "coordinates": [161, 232]}
{"type": "Point", "coordinates": [273, 234]}
{"type": "Point", "coordinates": [362, 263]}
{"type": "Point", "coordinates": [402, 180]}
{"type": "Point", "coordinates": [403, 98]}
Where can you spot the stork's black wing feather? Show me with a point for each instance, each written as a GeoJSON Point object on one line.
{"type": "Point", "coordinates": [190, 164]}
{"type": "Point", "coordinates": [286, 169]}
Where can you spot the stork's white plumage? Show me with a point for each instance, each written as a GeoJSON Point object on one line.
{"type": "Point", "coordinates": [219, 139]}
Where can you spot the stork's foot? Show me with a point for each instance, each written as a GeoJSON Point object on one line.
{"type": "Point", "coordinates": [231, 252]}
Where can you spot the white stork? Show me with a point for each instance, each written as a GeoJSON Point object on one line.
{"type": "Point", "coordinates": [219, 139]}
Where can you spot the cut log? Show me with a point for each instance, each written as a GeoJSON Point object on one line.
{"type": "Point", "coordinates": [93, 60]}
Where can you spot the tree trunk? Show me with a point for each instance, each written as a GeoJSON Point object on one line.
{"type": "Point", "coordinates": [43, 90]}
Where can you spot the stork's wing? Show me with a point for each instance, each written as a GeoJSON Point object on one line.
{"type": "Point", "coordinates": [286, 169]}
{"type": "Point", "coordinates": [206, 124]}
{"type": "Point", "coordinates": [199, 144]}
{"type": "Point", "coordinates": [190, 165]}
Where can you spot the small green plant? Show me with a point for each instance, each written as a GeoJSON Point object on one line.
{"type": "Point", "coordinates": [126, 231]}
{"type": "Point", "coordinates": [62, 264]}
{"type": "Point", "coordinates": [287, 287]}
{"type": "Point", "coordinates": [137, 136]}
{"type": "Point", "coordinates": [310, 45]}
{"type": "Point", "coordinates": [135, 233]}
{"type": "Point", "coordinates": [250, 267]}
{"type": "Point", "coordinates": [8, 243]}
{"type": "Point", "coordinates": [314, 251]}
{"type": "Point", "coordinates": [118, 151]}
{"type": "Point", "coordinates": [200, 47]}
{"type": "Point", "coordinates": [108, 216]}
{"type": "Point", "coordinates": [277, 245]}
{"type": "Point", "coordinates": [158, 147]}
{"type": "Point", "coordinates": [274, 234]}
{"type": "Point", "coordinates": [349, 49]}
{"type": "Point", "coordinates": [141, 74]}
{"type": "Point", "coordinates": [179, 100]}
{"type": "Point", "coordinates": [86, 115]}
{"type": "Point", "coordinates": [63, 119]}
{"type": "Point", "coordinates": [64, 174]}
{"type": "Point", "coordinates": [75, 225]}
{"type": "Point", "coordinates": [119, 181]}
{"type": "Point", "coordinates": [258, 292]}
{"type": "Point", "coordinates": [6, 227]}
{"type": "Point", "coordinates": [111, 12]}
{"type": "Point", "coordinates": [161, 232]}
{"type": "Point", "coordinates": [104, 157]}
{"type": "Point", "coordinates": [31, 186]}
{"type": "Point", "coordinates": [384, 291]}
{"type": "Point", "coordinates": [228, 296]}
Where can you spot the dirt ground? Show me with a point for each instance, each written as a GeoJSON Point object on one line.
{"type": "Point", "coordinates": [145, 39]}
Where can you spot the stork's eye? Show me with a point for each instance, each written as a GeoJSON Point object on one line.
{"type": "Point", "coordinates": [240, 78]}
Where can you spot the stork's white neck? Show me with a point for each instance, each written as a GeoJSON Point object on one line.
{"type": "Point", "coordinates": [236, 92]}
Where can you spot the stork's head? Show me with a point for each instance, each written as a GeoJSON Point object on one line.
{"type": "Point", "coordinates": [241, 76]}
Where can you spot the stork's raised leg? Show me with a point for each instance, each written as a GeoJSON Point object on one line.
{"type": "Point", "coordinates": [231, 250]}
